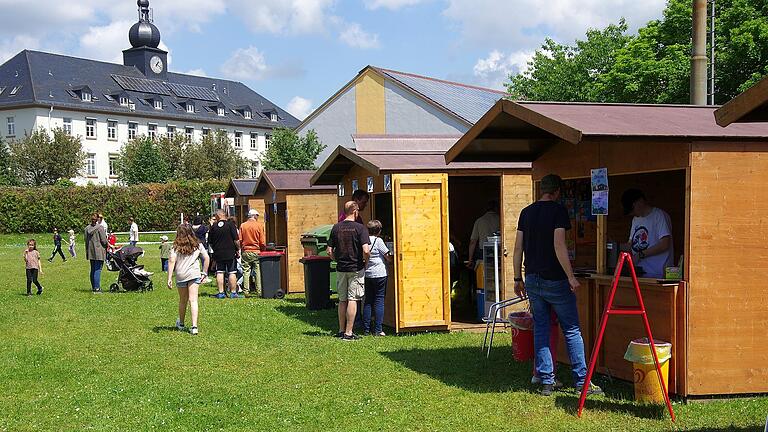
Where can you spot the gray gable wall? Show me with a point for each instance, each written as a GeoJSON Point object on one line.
{"type": "Point", "coordinates": [335, 125]}
{"type": "Point", "coordinates": [409, 114]}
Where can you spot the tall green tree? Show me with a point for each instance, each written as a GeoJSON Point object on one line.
{"type": "Point", "coordinates": [7, 175]}
{"type": "Point", "coordinates": [215, 158]}
{"type": "Point", "coordinates": [141, 161]}
{"type": "Point", "coordinates": [172, 152]}
{"type": "Point", "coordinates": [289, 151]}
{"type": "Point", "coordinates": [41, 159]}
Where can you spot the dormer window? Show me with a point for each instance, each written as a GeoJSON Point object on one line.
{"type": "Point", "coordinates": [247, 114]}
{"type": "Point", "coordinates": [14, 90]}
{"type": "Point", "coordinates": [190, 108]}
{"type": "Point", "coordinates": [220, 111]}
{"type": "Point", "coordinates": [158, 104]}
{"type": "Point", "coordinates": [124, 101]}
{"type": "Point", "coordinates": [85, 96]}
{"type": "Point", "coordinates": [273, 116]}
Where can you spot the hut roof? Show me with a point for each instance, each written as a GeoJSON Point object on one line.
{"type": "Point", "coordinates": [748, 107]}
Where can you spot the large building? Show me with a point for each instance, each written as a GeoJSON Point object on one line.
{"type": "Point", "coordinates": [386, 103]}
{"type": "Point", "coordinates": [108, 104]}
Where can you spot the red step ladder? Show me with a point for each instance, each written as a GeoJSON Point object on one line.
{"type": "Point", "coordinates": [618, 310]}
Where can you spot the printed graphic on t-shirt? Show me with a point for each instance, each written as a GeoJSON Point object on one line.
{"type": "Point", "coordinates": [220, 224]}
{"type": "Point", "coordinates": [640, 239]}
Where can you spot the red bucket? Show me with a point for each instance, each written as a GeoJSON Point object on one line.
{"type": "Point", "coordinates": [521, 327]}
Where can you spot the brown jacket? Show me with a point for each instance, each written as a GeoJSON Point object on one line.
{"type": "Point", "coordinates": [252, 236]}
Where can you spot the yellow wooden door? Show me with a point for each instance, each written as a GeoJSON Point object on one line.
{"type": "Point", "coordinates": [421, 248]}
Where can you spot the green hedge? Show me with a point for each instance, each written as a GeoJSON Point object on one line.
{"type": "Point", "coordinates": [154, 206]}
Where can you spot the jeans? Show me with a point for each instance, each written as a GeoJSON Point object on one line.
{"type": "Point", "coordinates": [164, 264]}
{"type": "Point", "coordinates": [57, 250]}
{"type": "Point", "coordinates": [375, 290]}
{"type": "Point", "coordinates": [96, 274]}
{"type": "Point", "coordinates": [72, 250]}
{"type": "Point", "coordinates": [546, 296]}
{"type": "Point", "coordinates": [32, 279]}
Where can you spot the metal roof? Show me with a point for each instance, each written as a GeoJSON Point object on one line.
{"type": "Point", "coordinates": [47, 80]}
{"type": "Point", "coordinates": [293, 180]}
{"type": "Point", "coordinates": [241, 187]}
{"type": "Point", "coordinates": [465, 101]}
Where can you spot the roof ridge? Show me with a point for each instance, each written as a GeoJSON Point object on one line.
{"type": "Point", "coordinates": [458, 84]}
{"type": "Point", "coordinates": [29, 76]}
{"type": "Point", "coordinates": [79, 58]}
{"type": "Point", "coordinates": [628, 104]}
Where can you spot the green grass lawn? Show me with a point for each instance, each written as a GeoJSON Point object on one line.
{"type": "Point", "coordinates": [72, 360]}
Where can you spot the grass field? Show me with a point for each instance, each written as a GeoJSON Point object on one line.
{"type": "Point", "coordinates": [72, 360]}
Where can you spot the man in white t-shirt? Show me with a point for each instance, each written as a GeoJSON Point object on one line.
{"type": "Point", "coordinates": [133, 233]}
{"type": "Point", "coordinates": [484, 227]}
{"type": "Point", "coordinates": [651, 235]}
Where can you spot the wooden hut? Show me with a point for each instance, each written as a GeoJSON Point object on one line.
{"type": "Point", "coordinates": [709, 179]}
{"type": "Point", "coordinates": [750, 106]}
{"type": "Point", "coordinates": [422, 202]}
{"type": "Point", "coordinates": [241, 190]}
{"type": "Point", "coordinates": [290, 207]}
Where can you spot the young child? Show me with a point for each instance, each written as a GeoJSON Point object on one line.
{"type": "Point", "coordinates": [72, 252]}
{"type": "Point", "coordinates": [57, 246]}
{"type": "Point", "coordinates": [183, 263]}
{"type": "Point", "coordinates": [165, 252]}
{"type": "Point", "coordinates": [33, 266]}
{"type": "Point", "coordinates": [111, 242]}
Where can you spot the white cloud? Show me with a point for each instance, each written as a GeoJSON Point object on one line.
{"type": "Point", "coordinates": [524, 23]}
{"type": "Point", "coordinates": [246, 64]}
{"type": "Point", "coordinates": [13, 46]}
{"type": "Point", "coordinates": [283, 16]}
{"type": "Point", "coordinates": [197, 72]}
{"type": "Point", "coordinates": [494, 70]}
{"type": "Point", "coordinates": [299, 107]}
{"type": "Point", "coordinates": [106, 43]}
{"type": "Point", "coordinates": [354, 36]}
{"type": "Point", "coordinates": [390, 4]}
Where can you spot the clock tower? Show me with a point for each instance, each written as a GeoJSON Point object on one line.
{"type": "Point", "coordinates": [144, 53]}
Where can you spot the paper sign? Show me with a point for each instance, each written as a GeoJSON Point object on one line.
{"type": "Point", "coordinates": [599, 179]}
{"type": "Point", "coordinates": [355, 186]}
{"type": "Point", "coordinates": [599, 191]}
{"type": "Point", "coordinates": [387, 182]}
{"type": "Point", "coordinates": [369, 184]}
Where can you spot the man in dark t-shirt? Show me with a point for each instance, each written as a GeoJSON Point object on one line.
{"type": "Point", "coordinates": [549, 282]}
{"type": "Point", "coordinates": [223, 239]}
{"type": "Point", "coordinates": [349, 245]}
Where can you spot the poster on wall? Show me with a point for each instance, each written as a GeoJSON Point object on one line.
{"type": "Point", "coordinates": [387, 182]}
{"type": "Point", "coordinates": [369, 184]}
{"type": "Point", "coordinates": [355, 185]}
{"type": "Point", "coordinates": [599, 178]}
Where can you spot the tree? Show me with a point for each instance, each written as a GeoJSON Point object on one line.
{"type": "Point", "coordinates": [289, 151]}
{"type": "Point", "coordinates": [172, 152]}
{"type": "Point", "coordinates": [215, 158]}
{"type": "Point", "coordinates": [141, 161]}
{"type": "Point", "coordinates": [41, 159]}
{"type": "Point", "coordinates": [7, 176]}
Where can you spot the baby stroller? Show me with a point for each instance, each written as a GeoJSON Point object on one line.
{"type": "Point", "coordinates": [132, 277]}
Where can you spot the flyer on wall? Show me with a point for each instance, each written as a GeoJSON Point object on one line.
{"type": "Point", "coordinates": [599, 191]}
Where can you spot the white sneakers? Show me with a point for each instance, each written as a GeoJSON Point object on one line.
{"type": "Point", "coordinates": [193, 331]}
{"type": "Point", "coordinates": [180, 327]}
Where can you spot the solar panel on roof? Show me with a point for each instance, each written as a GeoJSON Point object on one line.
{"type": "Point", "coordinates": [141, 84]}
{"type": "Point", "coordinates": [192, 92]}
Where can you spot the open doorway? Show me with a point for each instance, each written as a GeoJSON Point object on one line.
{"type": "Point", "coordinates": [469, 198]}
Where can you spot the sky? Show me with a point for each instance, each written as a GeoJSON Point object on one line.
{"type": "Point", "coordinates": [298, 53]}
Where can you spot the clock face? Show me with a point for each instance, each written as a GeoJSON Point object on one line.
{"type": "Point", "coordinates": [156, 63]}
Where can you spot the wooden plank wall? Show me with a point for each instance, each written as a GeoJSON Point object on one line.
{"type": "Point", "coordinates": [304, 211]}
{"type": "Point", "coordinates": [516, 194]}
{"type": "Point", "coordinates": [728, 293]}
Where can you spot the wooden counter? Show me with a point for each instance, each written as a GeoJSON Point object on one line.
{"type": "Point", "coordinates": [663, 302]}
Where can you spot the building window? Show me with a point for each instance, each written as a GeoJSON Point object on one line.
{"type": "Point", "coordinates": [267, 141]}
{"type": "Point", "coordinates": [255, 169]}
{"type": "Point", "coordinates": [247, 114]}
{"type": "Point", "coordinates": [14, 91]}
{"type": "Point", "coordinates": [152, 130]}
{"type": "Point", "coordinates": [190, 108]}
{"type": "Point", "coordinates": [124, 101]}
{"type": "Point", "coordinates": [90, 165]}
{"type": "Point", "coordinates": [2, 89]}
{"type": "Point", "coordinates": [221, 112]}
{"type": "Point", "coordinates": [113, 165]}
{"type": "Point", "coordinates": [85, 96]}
{"type": "Point", "coordinates": [206, 132]}
{"type": "Point", "coordinates": [11, 126]}
{"type": "Point", "coordinates": [67, 125]}
{"type": "Point", "coordinates": [189, 132]}
{"type": "Point", "coordinates": [158, 104]}
{"type": "Point", "coordinates": [238, 140]}
{"type": "Point", "coordinates": [273, 117]}
{"type": "Point", "coordinates": [254, 141]}
{"type": "Point", "coordinates": [170, 131]}
{"type": "Point", "coordinates": [133, 129]}
{"type": "Point", "coordinates": [90, 128]}
{"type": "Point", "coordinates": [112, 130]}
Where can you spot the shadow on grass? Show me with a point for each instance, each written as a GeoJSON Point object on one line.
{"type": "Point", "coordinates": [466, 368]}
{"type": "Point", "coordinates": [570, 403]}
{"type": "Point", "coordinates": [158, 329]}
{"type": "Point", "coordinates": [326, 319]}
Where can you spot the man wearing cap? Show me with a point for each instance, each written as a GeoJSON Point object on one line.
{"type": "Point", "coordinates": [650, 237]}
{"type": "Point", "coordinates": [550, 283]}
{"type": "Point", "coordinates": [252, 241]}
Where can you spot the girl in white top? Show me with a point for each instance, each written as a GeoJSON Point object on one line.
{"type": "Point", "coordinates": [183, 262]}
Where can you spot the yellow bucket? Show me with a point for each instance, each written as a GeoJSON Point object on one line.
{"type": "Point", "coordinates": [647, 388]}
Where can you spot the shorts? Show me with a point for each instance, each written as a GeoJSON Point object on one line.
{"type": "Point", "coordinates": [186, 284]}
{"type": "Point", "coordinates": [228, 266]}
{"type": "Point", "coordinates": [350, 285]}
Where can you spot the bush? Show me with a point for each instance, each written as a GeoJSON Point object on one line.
{"type": "Point", "coordinates": [154, 206]}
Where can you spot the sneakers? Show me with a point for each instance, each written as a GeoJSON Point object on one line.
{"type": "Point", "coordinates": [234, 295]}
{"type": "Point", "coordinates": [593, 390]}
{"type": "Point", "coordinates": [39, 290]}
{"type": "Point", "coordinates": [193, 331]}
{"type": "Point", "coordinates": [547, 389]}
{"type": "Point", "coordinates": [537, 381]}
{"type": "Point", "coordinates": [339, 335]}
{"type": "Point", "coordinates": [179, 325]}
{"type": "Point", "coordinates": [221, 295]}
{"type": "Point", "coordinates": [348, 338]}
